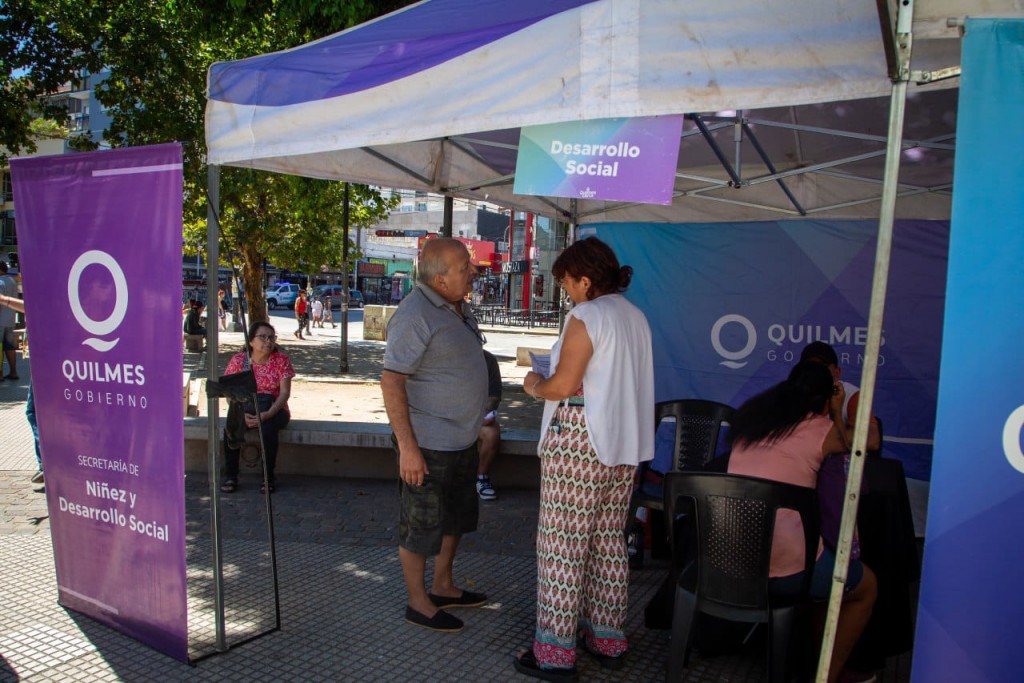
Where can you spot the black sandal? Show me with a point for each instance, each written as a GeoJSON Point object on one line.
{"type": "Point", "coordinates": [614, 662]}
{"type": "Point", "coordinates": [228, 486]}
{"type": "Point", "coordinates": [264, 487]}
{"type": "Point", "coordinates": [526, 664]}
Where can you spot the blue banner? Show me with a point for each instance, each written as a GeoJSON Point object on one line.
{"type": "Point", "coordinates": [971, 603]}
{"type": "Point", "coordinates": [731, 305]}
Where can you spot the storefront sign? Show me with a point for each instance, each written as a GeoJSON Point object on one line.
{"type": "Point", "coordinates": [400, 233]}
{"type": "Point", "coordinates": [480, 253]}
{"type": "Point", "coordinates": [100, 239]}
{"type": "Point", "coordinates": [605, 159]}
{"type": "Point", "coordinates": [515, 267]}
{"type": "Point", "coordinates": [369, 268]}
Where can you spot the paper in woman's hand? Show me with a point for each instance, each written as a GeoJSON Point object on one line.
{"type": "Point", "coordinates": [541, 363]}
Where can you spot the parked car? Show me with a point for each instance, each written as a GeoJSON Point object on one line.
{"type": "Point", "coordinates": [281, 294]}
{"type": "Point", "coordinates": [355, 297]}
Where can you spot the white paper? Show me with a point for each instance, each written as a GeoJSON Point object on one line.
{"type": "Point", "coordinates": [541, 363]}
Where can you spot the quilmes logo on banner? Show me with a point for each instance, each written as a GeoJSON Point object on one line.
{"type": "Point", "coordinates": [735, 338]}
{"type": "Point", "coordinates": [1011, 439]}
{"type": "Point", "coordinates": [607, 159]}
{"type": "Point", "coordinates": [86, 377]}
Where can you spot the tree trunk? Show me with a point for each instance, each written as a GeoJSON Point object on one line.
{"type": "Point", "coordinates": [252, 281]}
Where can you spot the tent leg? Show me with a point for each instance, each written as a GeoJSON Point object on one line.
{"type": "Point", "coordinates": [449, 216]}
{"type": "Point", "coordinates": [343, 363]}
{"type": "Point", "coordinates": [213, 407]}
{"type": "Point", "coordinates": [883, 252]}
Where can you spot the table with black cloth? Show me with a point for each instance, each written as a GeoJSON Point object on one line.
{"type": "Point", "coordinates": [888, 545]}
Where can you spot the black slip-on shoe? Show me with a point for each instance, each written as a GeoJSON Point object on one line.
{"type": "Point", "coordinates": [441, 621]}
{"type": "Point", "coordinates": [467, 599]}
{"type": "Point", "coordinates": [606, 661]}
{"type": "Point", "coordinates": [526, 664]}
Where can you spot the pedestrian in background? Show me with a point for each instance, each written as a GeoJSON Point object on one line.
{"type": "Point", "coordinates": [435, 387]}
{"type": "Point", "coordinates": [222, 310]}
{"type": "Point", "coordinates": [193, 319]}
{"type": "Point", "coordinates": [490, 431]}
{"type": "Point", "coordinates": [17, 305]}
{"type": "Point", "coordinates": [8, 319]}
{"type": "Point", "coordinates": [598, 414]}
{"type": "Point", "coordinates": [301, 314]}
{"type": "Point", "coordinates": [328, 316]}
{"type": "Point", "coordinates": [318, 313]}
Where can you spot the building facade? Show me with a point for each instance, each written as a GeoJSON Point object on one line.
{"type": "Point", "coordinates": [85, 116]}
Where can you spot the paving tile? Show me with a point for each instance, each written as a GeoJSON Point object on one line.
{"type": "Point", "coordinates": [341, 593]}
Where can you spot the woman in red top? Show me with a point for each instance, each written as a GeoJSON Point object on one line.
{"type": "Point", "coordinates": [274, 374]}
{"type": "Point", "coordinates": [301, 313]}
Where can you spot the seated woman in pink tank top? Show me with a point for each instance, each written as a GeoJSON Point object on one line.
{"type": "Point", "coordinates": [785, 434]}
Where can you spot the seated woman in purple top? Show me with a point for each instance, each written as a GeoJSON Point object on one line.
{"type": "Point", "coordinates": [785, 434]}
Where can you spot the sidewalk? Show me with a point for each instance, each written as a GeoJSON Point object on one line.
{"type": "Point", "coordinates": [342, 598]}
{"type": "Point", "coordinates": [320, 391]}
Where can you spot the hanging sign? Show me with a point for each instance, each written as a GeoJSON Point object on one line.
{"type": "Point", "coordinates": [629, 160]}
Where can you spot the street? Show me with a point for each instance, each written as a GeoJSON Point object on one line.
{"type": "Point", "coordinates": [502, 344]}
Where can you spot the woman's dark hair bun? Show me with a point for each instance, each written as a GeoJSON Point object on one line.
{"type": "Point", "coordinates": [625, 277]}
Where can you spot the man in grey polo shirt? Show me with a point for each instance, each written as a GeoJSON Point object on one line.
{"type": "Point", "coordinates": [435, 389]}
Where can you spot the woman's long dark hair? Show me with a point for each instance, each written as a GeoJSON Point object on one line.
{"type": "Point", "coordinates": [775, 413]}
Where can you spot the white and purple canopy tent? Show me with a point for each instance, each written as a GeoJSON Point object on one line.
{"type": "Point", "coordinates": [432, 98]}
{"type": "Point", "coordinates": [794, 108]}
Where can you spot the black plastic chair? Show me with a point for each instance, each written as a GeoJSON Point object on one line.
{"type": "Point", "coordinates": [698, 424]}
{"type": "Point", "coordinates": [735, 521]}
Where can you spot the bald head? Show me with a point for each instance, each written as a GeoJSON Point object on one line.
{"type": "Point", "coordinates": [437, 257]}
{"type": "Point", "coordinates": [445, 268]}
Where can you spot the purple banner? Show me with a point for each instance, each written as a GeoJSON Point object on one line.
{"type": "Point", "coordinates": [99, 236]}
{"type": "Point", "coordinates": [628, 160]}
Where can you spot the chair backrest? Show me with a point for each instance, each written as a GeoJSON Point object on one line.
{"type": "Point", "coordinates": [735, 522]}
{"type": "Point", "coordinates": [698, 424]}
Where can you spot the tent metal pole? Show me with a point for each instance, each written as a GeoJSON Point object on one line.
{"type": "Point", "coordinates": [719, 154]}
{"type": "Point", "coordinates": [883, 252]}
{"type": "Point", "coordinates": [212, 404]}
{"type": "Point", "coordinates": [571, 235]}
{"type": "Point", "coordinates": [343, 362]}
{"type": "Point", "coordinates": [449, 211]}
{"type": "Point", "coordinates": [771, 168]}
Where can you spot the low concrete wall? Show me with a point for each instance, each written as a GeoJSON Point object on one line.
{"type": "Point", "coordinates": [375, 322]}
{"type": "Point", "coordinates": [363, 450]}
{"type": "Point", "coordinates": [523, 354]}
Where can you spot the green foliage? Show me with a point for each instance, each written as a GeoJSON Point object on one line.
{"type": "Point", "coordinates": [47, 128]}
{"type": "Point", "coordinates": [43, 45]}
{"type": "Point", "coordinates": [158, 54]}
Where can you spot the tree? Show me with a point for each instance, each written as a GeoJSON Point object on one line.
{"type": "Point", "coordinates": [43, 46]}
{"type": "Point", "coordinates": [158, 54]}
{"type": "Point", "coordinates": [294, 222]}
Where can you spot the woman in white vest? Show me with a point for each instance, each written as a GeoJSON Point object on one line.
{"type": "Point", "coordinates": [598, 425]}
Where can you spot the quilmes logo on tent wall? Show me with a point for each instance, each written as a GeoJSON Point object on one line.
{"type": "Point", "coordinates": [98, 278]}
{"type": "Point", "coordinates": [734, 337]}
